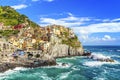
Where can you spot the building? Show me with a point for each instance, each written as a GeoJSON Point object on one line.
{"type": "Point", "coordinates": [6, 46]}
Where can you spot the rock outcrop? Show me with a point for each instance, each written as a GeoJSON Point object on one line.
{"type": "Point", "coordinates": [28, 64]}
{"type": "Point", "coordinates": [63, 50]}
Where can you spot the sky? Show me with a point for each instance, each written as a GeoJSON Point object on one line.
{"type": "Point", "coordinates": [95, 22]}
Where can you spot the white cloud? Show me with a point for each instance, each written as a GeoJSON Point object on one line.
{"type": "Point", "coordinates": [111, 20]}
{"type": "Point", "coordinates": [59, 21]}
{"type": "Point", "coordinates": [70, 14]}
{"type": "Point", "coordinates": [106, 20]}
{"type": "Point", "coordinates": [107, 38]}
{"type": "Point", "coordinates": [117, 19]}
{"type": "Point", "coordinates": [99, 27]}
{"type": "Point", "coordinates": [69, 21]}
{"type": "Point", "coordinates": [85, 31]}
{"type": "Point", "coordinates": [21, 6]}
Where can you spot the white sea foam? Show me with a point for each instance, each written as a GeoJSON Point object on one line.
{"type": "Point", "coordinates": [75, 68]}
{"type": "Point", "coordinates": [99, 56]}
{"type": "Point", "coordinates": [20, 68]}
{"type": "Point", "coordinates": [6, 74]}
{"type": "Point", "coordinates": [59, 65]}
{"type": "Point", "coordinates": [44, 76]}
{"type": "Point", "coordinates": [98, 63]}
{"type": "Point", "coordinates": [10, 72]}
{"type": "Point", "coordinates": [96, 78]}
{"type": "Point", "coordinates": [63, 75]}
{"type": "Point", "coordinates": [101, 75]}
{"type": "Point", "coordinates": [73, 58]}
{"type": "Point", "coordinates": [118, 50]}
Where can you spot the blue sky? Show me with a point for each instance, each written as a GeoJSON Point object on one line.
{"type": "Point", "coordinates": [96, 22]}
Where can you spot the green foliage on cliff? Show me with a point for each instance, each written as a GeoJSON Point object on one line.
{"type": "Point", "coordinates": [8, 33]}
{"type": "Point", "coordinates": [73, 42]}
{"type": "Point", "coordinates": [11, 17]}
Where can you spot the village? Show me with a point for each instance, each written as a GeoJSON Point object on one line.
{"type": "Point", "coordinates": [31, 42]}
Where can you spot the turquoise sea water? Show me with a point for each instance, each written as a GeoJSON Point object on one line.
{"type": "Point", "coordinates": [78, 68]}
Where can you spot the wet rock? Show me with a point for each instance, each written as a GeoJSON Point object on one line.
{"type": "Point", "coordinates": [64, 64]}
{"type": "Point", "coordinates": [35, 63]}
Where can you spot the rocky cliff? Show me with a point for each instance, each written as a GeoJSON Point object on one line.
{"type": "Point", "coordinates": [63, 50]}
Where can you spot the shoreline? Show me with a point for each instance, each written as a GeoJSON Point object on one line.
{"type": "Point", "coordinates": [39, 63]}
{"type": "Point", "coordinates": [30, 61]}
{"type": "Point", "coordinates": [34, 64]}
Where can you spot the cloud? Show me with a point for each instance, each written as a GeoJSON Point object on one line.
{"type": "Point", "coordinates": [117, 19]}
{"type": "Point", "coordinates": [111, 20]}
{"type": "Point", "coordinates": [107, 38]}
{"type": "Point", "coordinates": [91, 39]}
{"type": "Point", "coordinates": [85, 31]}
{"type": "Point", "coordinates": [99, 27]}
{"type": "Point", "coordinates": [21, 6]}
{"type": "Point", "coordinates": [68, 21]}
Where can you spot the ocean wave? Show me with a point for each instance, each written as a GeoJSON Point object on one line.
{"type": "Point", "coordinates": [110, 50]}
{"type": "Point", "coordinates": [20, 69]}
{"type": "Point", "coordinates": [98, 63]}
{"type": "Point", "coordinates": [113, 69]}
{"type": "Point", "coordinates": [118, 50]}
{"type": "Point", "coordinates": [115, 56]}
{"type": "Point", "coordinates": [73, 58]}
{"type": "Point", "coordinates": [43, 75]}
{"type": "Point", "coordinates": [63, 75]}
{"type": "Point", "coordinates": [6, 74]}
{"type": "Point", "coordinates": [101, 76]}
{"type": "Point", "coordinates": [96, 78]}
{"type": "Point", "coordinates": [59, 65]}
{"type": "Point", "coordinates": [100, 55]}
{"type": "Point", "coordinates": [75, 68]}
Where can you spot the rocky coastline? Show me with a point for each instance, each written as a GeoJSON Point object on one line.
{"type": "Point", "coordinates": [33, 64]}
{"type": "Point", "coordinates": [45, 59]}
{"type": "Point", "coordinates": [97, 58]}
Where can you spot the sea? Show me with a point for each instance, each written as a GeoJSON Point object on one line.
{"type": "Point", "coordinates": [75, 68]}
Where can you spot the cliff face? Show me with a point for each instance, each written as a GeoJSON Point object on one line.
{"type": "Point", "coordinates": [63, 50]}
{"type": "Point", "coordinates": [57, 48]}
{"type": "Point", "coordinates": [63, 43]}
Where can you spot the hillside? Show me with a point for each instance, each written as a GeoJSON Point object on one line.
{"type": "Point", "coordinates": [18, 26]}
{"type": "Point", "coordinates": [11, 17]}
